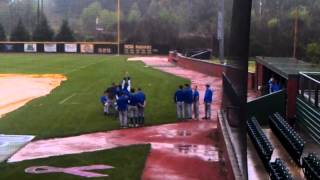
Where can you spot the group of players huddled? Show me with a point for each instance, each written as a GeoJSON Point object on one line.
{"type": "Point", "coordinates": [125, 100]}
{"type": "Point", "coordinates": [129, 104]}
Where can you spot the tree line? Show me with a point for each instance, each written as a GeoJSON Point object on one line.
{"type": "Point", "coordinates": [42, 32]}
{"type": "Point", "coordinates": [180, 24]}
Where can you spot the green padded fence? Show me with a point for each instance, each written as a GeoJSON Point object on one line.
{"type": "Point", "coordinates": [266, 105]}
{"type": "Point", "coordinates": [309, 117]}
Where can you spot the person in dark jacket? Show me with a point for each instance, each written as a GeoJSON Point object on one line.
{"type": "Point", "coordinates": [111, 96]}
{"type": "Point", "coordinates": [178, 100]}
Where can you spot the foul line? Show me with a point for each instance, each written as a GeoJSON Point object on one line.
{"type": "Point", "coordinates": [66, 99]}
{"type": "Point", "coordinates": [82, 67]}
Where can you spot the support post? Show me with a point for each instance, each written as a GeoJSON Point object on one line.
{"type": "Point", "coordinates": [119, 33]}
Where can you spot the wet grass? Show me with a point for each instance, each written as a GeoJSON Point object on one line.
{"type": "Point", "coordinates": [128, 164]}
{"type": "Point", "coordinates": [88, 76]}
{"type": "Point", "coordinates": [251, 64]}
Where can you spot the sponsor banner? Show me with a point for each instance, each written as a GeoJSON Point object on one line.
{"type": "Point", "coordinates": [8, 48]}
{"type": "Point", "coordinates": [105, 49]}
{"type": "Point", "coordinates": [86, 48]}
{"type": "Point", "coordinates": [30, 47]}
{"type": "Point", "coordinates": [144, 49]}
{"type": "Point", "coordinates": [49, 47]}
{"type": "Point", "coordinates": [137, 49]}
{"type": "Point", "coordinates": [129, 49]}
{"type": "Point", "coordinates": [70, 48]}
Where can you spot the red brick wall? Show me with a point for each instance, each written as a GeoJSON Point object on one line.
{"type": "Point", "coordinates": [205, 67]}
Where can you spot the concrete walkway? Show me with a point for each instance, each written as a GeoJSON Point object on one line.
{"type": "Point", "coordinates": [180, 151]}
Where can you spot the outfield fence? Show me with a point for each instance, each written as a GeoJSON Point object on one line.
{"type": "Point", "coordinates": [82, 47]}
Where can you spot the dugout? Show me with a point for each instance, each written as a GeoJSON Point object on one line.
{"type": "Point", "coordinates": [287, 72]}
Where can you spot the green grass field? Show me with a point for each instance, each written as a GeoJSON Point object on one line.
{"type": "Point", "coordinates": [88, 76]}
{"type": "Point", "coordinates": [128, 164]}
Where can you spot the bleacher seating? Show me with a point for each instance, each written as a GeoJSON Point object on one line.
{"type": "Point", "coordinates": [311, 167]}
{"type": "Point", "coordinates": [290, 139]}
{"type": "Point", "coordinates": [278, 171]}
{"type": "Point", "coordinates": [260, 141]}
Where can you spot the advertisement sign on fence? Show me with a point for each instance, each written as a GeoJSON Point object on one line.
{"type": "Point", "coordinates": [86, 48]}
{"type": "Point", "coordinates": [49, 47]}
{"type": "Point", "coordinates": [70, 48]}
{"type": "Point", "coordinates": [30, 47]}
{"type": "Point", "coordinates": [8, 48]}
{"type": "Point", "coordinates": [137, 49]}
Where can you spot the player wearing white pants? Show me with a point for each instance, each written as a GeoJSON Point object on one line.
{"type": "Point", "coordinates": [196, 103]}
{"type": "Point", "coordinates": [180, 110]}
{"type": "Point", "coordinates": [122, 104]}
{"type": "Point", "coordinates": [188, 110]}
{"type": "Point", "coordinates": [126, 82]}
{"type": "Point", "coordinates": [141, 105]}
{"type": "Point", "coordinates": [133, 108]}
{"type": "Point", "coordinates": [178, 99]}
{"type": "Point", "coordinates": [188, 100]}
{"type": "Point", "coordinates": [207, 107]}
{"type": "Point", "coordinates": [208, 96]}
{"type": "Point", "coordinates": [104, 101]}
{"type": "Point", "coordinates": [123, 119]}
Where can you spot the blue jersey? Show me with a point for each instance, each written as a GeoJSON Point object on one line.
{"type": "Point", "coordinates": [188, 95]}
{"type": "Point", "coordinates": [125, 92]}
{"type": "Point", "coordinates": [275, 87]}
{"type": "Point", "coordinates": [141, 97]}
{"type": "Point", "coordinates": [122, 103]}
{"type": "Point", "coordinates": [118, 92]}
{"type": "Point", "coordinates": [133, 99]}
{"type": "Point", "coordinates": [103, 100]}
{"type": "Point", "coordinates": [195, 96]}
{"type": "Point", "coordinates": [179, 96]}
{"type": "Point", "coordinates": [270, 83]}
{"type": "Point", "coordinates": [208, 96]}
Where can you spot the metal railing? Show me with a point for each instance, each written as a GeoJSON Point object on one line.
{"type": "Point", "coordinates": [309, 86]}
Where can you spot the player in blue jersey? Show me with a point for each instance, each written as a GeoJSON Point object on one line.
{"type": "Point", "coordinates": [188, 99]}
{"type": "Point", "coordinates": [208, 97]}
{"type": "Point", "coordinates": [196, 97]}
{"type": "Point", "coordinates": [104, 102]}
{"type": "Point", "coordinates": [179, 101]}
{"type": "Point", "coordinates": [122, 105]}
{"type": "Point", "coordinates": [133, 108]}
{"type": "Point", "coordinates": [141, 106]}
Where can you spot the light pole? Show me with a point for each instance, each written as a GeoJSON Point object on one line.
{"type": "Point", "coordinates": [221, 31]}
{"type": "Point", "coordinates": [296, 29]}
{"type": "Point", "coordinates": [119, 19]}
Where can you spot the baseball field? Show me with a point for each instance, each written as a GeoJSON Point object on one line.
{"type": "Point", "coordinates": [73, 108]}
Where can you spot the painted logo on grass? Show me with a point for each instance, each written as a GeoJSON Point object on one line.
{"type": "Point", "coordinates": [83, 171]}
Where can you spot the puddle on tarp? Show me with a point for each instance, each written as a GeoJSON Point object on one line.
{"type": "Point", "coordinates": [18, 89]}
{"type": "Point", "coordinates": [9, 144]}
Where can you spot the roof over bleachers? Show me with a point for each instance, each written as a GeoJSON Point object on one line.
{"type": "Point", "coordinates": [287, 67]}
